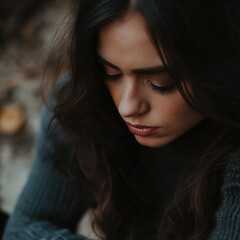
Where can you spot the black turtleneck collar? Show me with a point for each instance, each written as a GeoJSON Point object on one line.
{"type": "Point", "coordinates": [154, 173]}
{"type": "Point", "coordinates": [156, 170]}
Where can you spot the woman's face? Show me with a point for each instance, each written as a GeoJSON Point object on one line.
{"type": "Point", "coordinates": [142, 90]}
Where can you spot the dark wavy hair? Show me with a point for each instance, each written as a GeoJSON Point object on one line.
{"type": "Point", "coordinates": [200, 42]}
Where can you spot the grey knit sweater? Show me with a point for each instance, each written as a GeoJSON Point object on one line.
{"type": "Point", "coordinates": [42, 211]}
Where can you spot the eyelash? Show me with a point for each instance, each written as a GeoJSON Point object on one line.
{"type": "Point", "coordinates": [165, 89]}
{"type": "Point", "coordinates": [162, 90]}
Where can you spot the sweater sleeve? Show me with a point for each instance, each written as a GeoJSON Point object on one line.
{"type": "Point", "coordinates": [228, 215]}
{"type": "Point", "coordinates": [43, 209]}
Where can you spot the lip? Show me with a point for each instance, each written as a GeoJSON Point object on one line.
{"type": "Point", "coordinates": [138, 125]}
{"type": "Point", "coordinates": [141, 130]}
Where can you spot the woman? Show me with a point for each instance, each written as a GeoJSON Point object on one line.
{"type": "Point", "coordinates": [151, 105]}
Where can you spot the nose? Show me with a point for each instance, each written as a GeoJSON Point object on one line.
{"type": "Point", "coordinates": [132, 102]}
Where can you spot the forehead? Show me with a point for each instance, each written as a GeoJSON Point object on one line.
{"type": "Point", "coordinates": [127, 40]}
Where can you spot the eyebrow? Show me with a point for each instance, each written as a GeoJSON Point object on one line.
{"type": "Point", "coordinates": [143, 71]}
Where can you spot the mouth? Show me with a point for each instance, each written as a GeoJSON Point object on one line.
{"type": "Point", "coordinates": [141, 130]}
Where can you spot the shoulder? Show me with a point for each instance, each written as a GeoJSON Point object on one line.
{"type": "Point", "coordinates": [227, 217]}
{"type": "Point", "coordinates": [51, 138]}
{"type": "Point", "coordinates": [58, 89]}
{"type": "Point", "coordinates": [232, 170]}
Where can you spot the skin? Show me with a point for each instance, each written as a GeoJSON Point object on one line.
{"type": "Point", "coordinates": [126, 44]}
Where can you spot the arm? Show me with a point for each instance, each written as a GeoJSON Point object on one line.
{"type": "Point", "coordinates": [43, 208]}
{"type": "Point", "coordinates": [228, 215]}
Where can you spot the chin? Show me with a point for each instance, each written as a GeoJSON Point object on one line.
{"type": "Point", "coordinates": [153, 142]}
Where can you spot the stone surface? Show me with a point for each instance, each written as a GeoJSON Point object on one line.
{"type": "Point", "coordinates": [12, 119]}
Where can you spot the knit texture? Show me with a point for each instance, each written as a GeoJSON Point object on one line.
{"type": "Point", "coordinates": [228, 215]}
{"type": "Point", "coordinates": [42, 211]}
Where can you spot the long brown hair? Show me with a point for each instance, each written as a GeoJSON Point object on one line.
{"type": "Point", "coordinates": [198, 52]}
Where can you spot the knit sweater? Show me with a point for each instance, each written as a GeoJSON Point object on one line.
{"type": "Point", "coordinates": [43, 210]}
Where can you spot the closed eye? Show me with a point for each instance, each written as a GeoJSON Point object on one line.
{"type": "Point", "coordinates": [114, 77]}
{"type": "Point", "coordinates": [163, 89]}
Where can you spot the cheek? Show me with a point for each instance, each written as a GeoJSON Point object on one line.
{"type": "Point", "coordinates": [185, 116]}
{"type": "Point", "coordinates": [176, 110]}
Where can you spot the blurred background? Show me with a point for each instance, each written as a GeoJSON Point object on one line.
{"type": "Point", "coordinates": [26, 30]}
